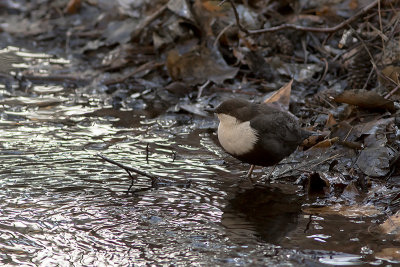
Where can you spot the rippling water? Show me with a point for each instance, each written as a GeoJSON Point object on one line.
{"type": "Point", "coordinates": [61, 204]}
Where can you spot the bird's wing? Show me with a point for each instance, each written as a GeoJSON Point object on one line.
{"type": "Point", "coordinates": [279, 126]}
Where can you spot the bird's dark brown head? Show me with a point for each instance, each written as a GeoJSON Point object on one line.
{"type": "Point", "coordinates": [232, 106]}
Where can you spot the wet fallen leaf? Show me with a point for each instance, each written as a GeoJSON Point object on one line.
{"type": "Point", "coordinates": [352, 211]}
{"type": "Point", "coordinates": [181, 8]}
{"type": "Point", "coordinates": [373, 126]}
{"type": "Point", "coordinates": [351, 191]}
{"type": "Point", "coordinates": [330, 121]}
{"type": "Point", "coordinates": [198, 66]}
{"type": "Point", "coordinates": [375, 161]}
{"type": "Point", "coordinates": [345, 131]}
{"type": "Point", "coordinates": [364, 99]}
{"type": "Point", "coordinates": [178, 88]}
{"type": "Point", "coordinates": [390, 254]}
{"type": "Point", "coordinates": [352, 145]}
{"type": "Point", "coordinates": [316, 184]}
{"type": "Point", "coordinates": [299, 72]}
{"type": "Point", "coordinates": [259, 67]}
{"type": "Point", "coordinates": [33, 101]}
{"type": "Point", "coordinates": [119, 31]}
{"type": "Point", "coordinates": [392, 225]}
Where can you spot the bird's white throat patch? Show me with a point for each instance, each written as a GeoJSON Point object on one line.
{"type": "Point", "coordinates": [236, 137]}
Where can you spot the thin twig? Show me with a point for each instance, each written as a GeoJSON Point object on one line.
{"type": "Point", "coordinates": [237, 18]}
{"type": "Point", "coordinates": [392, 92]}
{"type": "Point", "coordinates": [369, 78]}
{"type": "Point", "coordinates": [304, 28]}
{"type": "Point", "coordinates": [127, 168]}
{"type": "Point", "coordinates": [221, 33]}
{"type": "Point", "coordinates": [132, 179]}
{"type": "Point", "coordinates": [380, 22]}
{"type": "Point", "coordinates": [325, 71]}
{"type": "Point", "coordinates": [366, 48]}
{"type": "Point", "coordinates": [201, 88]}
{"type": "Point", "coordinates": [155, 181]}
{"type": "Point", "coordinates": [147, 153]}
{"type": "Point", "coordinates": [308, 224]}
{"type": "Point", "coordinates": [348, 133]}
{"type": "Point", "coordinates": [146, 66]}
{"type": "Point", "coordinates": [149, 19]}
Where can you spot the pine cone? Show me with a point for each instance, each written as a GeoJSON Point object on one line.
{"type": "Point", "coordinates": [284, 45]}
{"type": "Point", "coordinates": [359, 71]}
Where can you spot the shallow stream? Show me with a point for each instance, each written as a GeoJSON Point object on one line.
{"type": "Point", "coordinates": [61, 204]}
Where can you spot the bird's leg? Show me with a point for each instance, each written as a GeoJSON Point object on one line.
{"type": "Point", "coordinates": [270, 172]}
{"type": "Point", "coordinates": [248, 175]}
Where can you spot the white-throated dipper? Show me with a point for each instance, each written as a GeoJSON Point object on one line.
{"type": "Point", "coordinates": [259, 134]}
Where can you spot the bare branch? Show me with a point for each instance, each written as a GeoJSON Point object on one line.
{"type": "Point", "coordinates": [304, 28]}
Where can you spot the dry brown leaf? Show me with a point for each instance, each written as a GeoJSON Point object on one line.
{"type": "Point", "coordinates": [330, 121]}
{"type": "Point", "coordinates": [392, 73]}
{"type": "Point", "coordinates": [326, 143]}
{"type": "Point", "coordinates": [214, 7]}
{"type": "Point", "coordinates": [310, 141]}
{"type": "Point", "coordinates": [282, 96]}
{"type": "Point", "coordinates": [353, 4]}
{"type": "Point", "coordinates": [364, 99]}
{"type": "Point", "coordinates": [210, 14]}
{"type": "Point", "coordinates": [73, 6]}
{"type": "Point", "coordinates": [345, 131]}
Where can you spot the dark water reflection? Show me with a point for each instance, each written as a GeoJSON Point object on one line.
{"type": "Point", "coordinates": [272, 212]}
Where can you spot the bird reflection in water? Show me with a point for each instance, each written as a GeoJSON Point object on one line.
{"type": "Point", "coordinates": [268, 213]}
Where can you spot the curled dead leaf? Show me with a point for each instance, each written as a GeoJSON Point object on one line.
{"type": "Point", "coordinates": [326, 143]}
{"type": "Point", "coordinates": [365, 99]}
{"type": "Point", "coordinates": [375, 161]}
{"type": "Point", "coordinates": [282, 96]}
